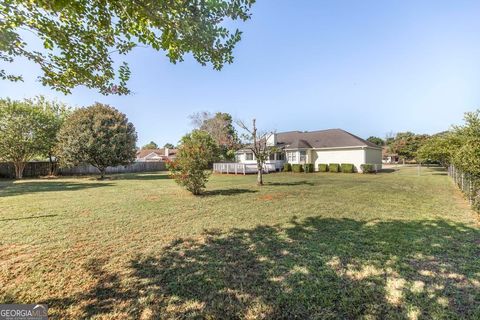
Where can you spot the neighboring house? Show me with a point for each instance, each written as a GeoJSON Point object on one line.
{"type": "Point", "coordinates": [388, 156]}
{"type": "Point", "coordinates": [323, 146]}
{"type": "Point", "coordinates": [161, 154]}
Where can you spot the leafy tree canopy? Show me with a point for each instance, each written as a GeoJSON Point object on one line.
{"type": "Point", "coordinates": [376, 140]}
{"type": "Point", "coordinates": [81, 38]}
{"type": "Point", "coordinates": [196, 152]}
{"type": "Point", "coordinates": [221, 129]}
{"type": "Point", "coordinates": [440, 148]}
{"type": "Point", "coordinates": [27, 129]}
{"type": "Point", "coordinates": [150, 145]}
{"type": "Point", "coordinates": [99, 135]}
{"type": "Point", "coordinates": [169, 146]}
{"type": "Point", "coordinates": [468, 154]}
{"type": "Point", "coordinates": [407, 143]}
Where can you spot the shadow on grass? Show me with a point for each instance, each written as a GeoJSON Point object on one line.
{"type": "Point", "coordinates": [31, 217]}
{"type": "Point", "coordinates": [9, 188]}
{"type": "Point", "coordinates": [316, 268]}
{"type": "Point", "coordinates": [292, 183]}
{"type": "Point", "coordinates": [140, 176]}
{"type": "Point", "coordinates": [388, 170]}
{"type": "Point", "coordinates": [226, 192]}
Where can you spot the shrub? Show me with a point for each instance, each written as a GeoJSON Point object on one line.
{"type": "Point", "coordinates": [297, 168]}
{"type": "Point", "coordinates": [308, 167]}
{"type": "Point", "coordinates": [348, 167]}
{"type": "Point", "coordinates": [287, 167]}
{"type": "Point", "coordinates": [334, 167]}
{"type": "Point", "coordinates": [367, 168]}
{"type": "Point", "coordinates": [189, 169]}
{"type": "Point", "coordinates": [323, 167]}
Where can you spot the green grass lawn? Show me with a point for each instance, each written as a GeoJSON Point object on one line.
{"type": "Point", "coordinates": [392, 245]}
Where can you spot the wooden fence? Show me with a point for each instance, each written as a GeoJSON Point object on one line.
{"type": "Point", "coordinates": [35, 169]}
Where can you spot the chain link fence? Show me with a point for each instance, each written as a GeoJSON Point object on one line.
{"type": "Point", "coordinates": [468, 184]}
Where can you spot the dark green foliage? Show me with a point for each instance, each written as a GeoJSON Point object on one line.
{"type": "Point", "coordinates": [347, 168]}
{"type": "Point", "coordinates": [83, 39]}
{"type": "Point", "coordinates": [308, 167]}
{"type": "Point", "coordinates": [323, 167]}
{"type": "Point", "coordinates": [169, 146]}
{"type": "Point", "coordinates": [99, 135]}
{"type": "Point", "coordinates": [287, 167]}
{"type": "Point", "coordinates": [221, 129]}
{"type": "Point", "coordinates": [367, 168]}
{"type": "Point", "coordinates": [334, 167]}
{"type": "Point", "coordinates": [150, 145]}
{"type": "Point", "coordinates": [28, 129]}
{"type": "Point", "coordinates": [297, 167]}
{"type": "Point", "coordinates": [376, 140]}
{"type": "Point", "coordinates": [196, 152]}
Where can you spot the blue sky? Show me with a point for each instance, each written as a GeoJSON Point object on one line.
{"type": "Point", "coordinates": [369, 67]}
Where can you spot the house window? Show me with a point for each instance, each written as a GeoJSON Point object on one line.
{"type": "Point", "coordinates": [249, 156]}
{"type": "Point", "coordinates": [292, 156]}
{"type": "Point", "coordinates": [303, 156]}
{"type": "Point", "coordinates": [280, 156]}
{"type": "Point", "coordinates": [271, 156]}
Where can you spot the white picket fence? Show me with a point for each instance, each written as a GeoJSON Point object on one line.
{"type": "Point", "coordinates": [241, 168]}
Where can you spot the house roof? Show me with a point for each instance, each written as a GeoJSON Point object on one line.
{"type": "Point", "coordinates": [331, 138]}
{"type": "Point", "coordinates": [299, 144]}
{"type": "Point", "coordinates": [160, 152]}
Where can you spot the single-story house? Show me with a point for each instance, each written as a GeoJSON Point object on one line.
{"type": "Point", "coordinates": [323, 146]}
{"type": "Point", "coordinates": [161, 154]}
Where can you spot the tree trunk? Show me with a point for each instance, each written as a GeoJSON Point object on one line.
{"type": "Point", "coordinates": [260, 175]}
{"type": "Point", "coordinates": [102, 173]}
{"type": "Point", "coordinates": [19, 166]}
{"type": "Point", "coordinates": [52, 166]}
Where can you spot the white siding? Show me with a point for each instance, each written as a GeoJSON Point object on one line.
{"type": "Point", "coordinates": [355, 156]}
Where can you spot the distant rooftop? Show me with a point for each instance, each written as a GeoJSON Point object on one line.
{"type": "Point", "coordinates": [330, 138]}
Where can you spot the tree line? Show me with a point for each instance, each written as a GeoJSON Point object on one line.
{"type": "Point", "coordinates": [459, 146]}
{"type": "Point", "coordinates": [102, 136]}
{"type": "Point", "coordinates": [31, 129]}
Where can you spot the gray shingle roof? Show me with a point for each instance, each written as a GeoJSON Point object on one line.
{"type": "Point", "coordinates": [331, 138]}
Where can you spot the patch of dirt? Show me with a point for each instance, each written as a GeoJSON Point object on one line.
{"type": "Point", "coordinates": [152, 197]}
{"type": "Point", "coordinates": [272, 196]}
{"type": "Point", "coordinates": [86, 212]}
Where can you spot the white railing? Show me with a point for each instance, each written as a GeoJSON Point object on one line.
{"type": "Point", "coordinates": [241, 168]}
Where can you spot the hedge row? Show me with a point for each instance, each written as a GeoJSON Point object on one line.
{"type": "Point", "coordinates": [307, 167]}
{"type": "Point", "coordinates": [323, 167]}
{"type": "Point", "coordinates": [335, 167]}
{"type": "Point", "coordinates": [368, 168]}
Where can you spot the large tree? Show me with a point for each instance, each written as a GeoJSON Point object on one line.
{"type": "Point", "coordinates": [196, 152]}
{"type": "Point", "coordinates": [55, 114]}
{"type": "Point", "coordinates": [150, 145]}
{"type": "Point", "coordinates": [440, 148]}
{"type": "Point", "coordinates": [257, 142]}
{"type": "Point", "coordinates": [99, 135]}
{"type": "Point", "coordinates": [82, 40]}
{"type": "Point", "coordinates": [169, 145]}
{"type": "Point", "coordinates": [221, 129]}
{"type": "Point", "coordinates": [467, 156]}
{"type": "Point", "coordinates": [407, 143]}
{"type": "Point", "coordinates": [25, 132]}
{"type": "Point", "coordinates": [376, 140]}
